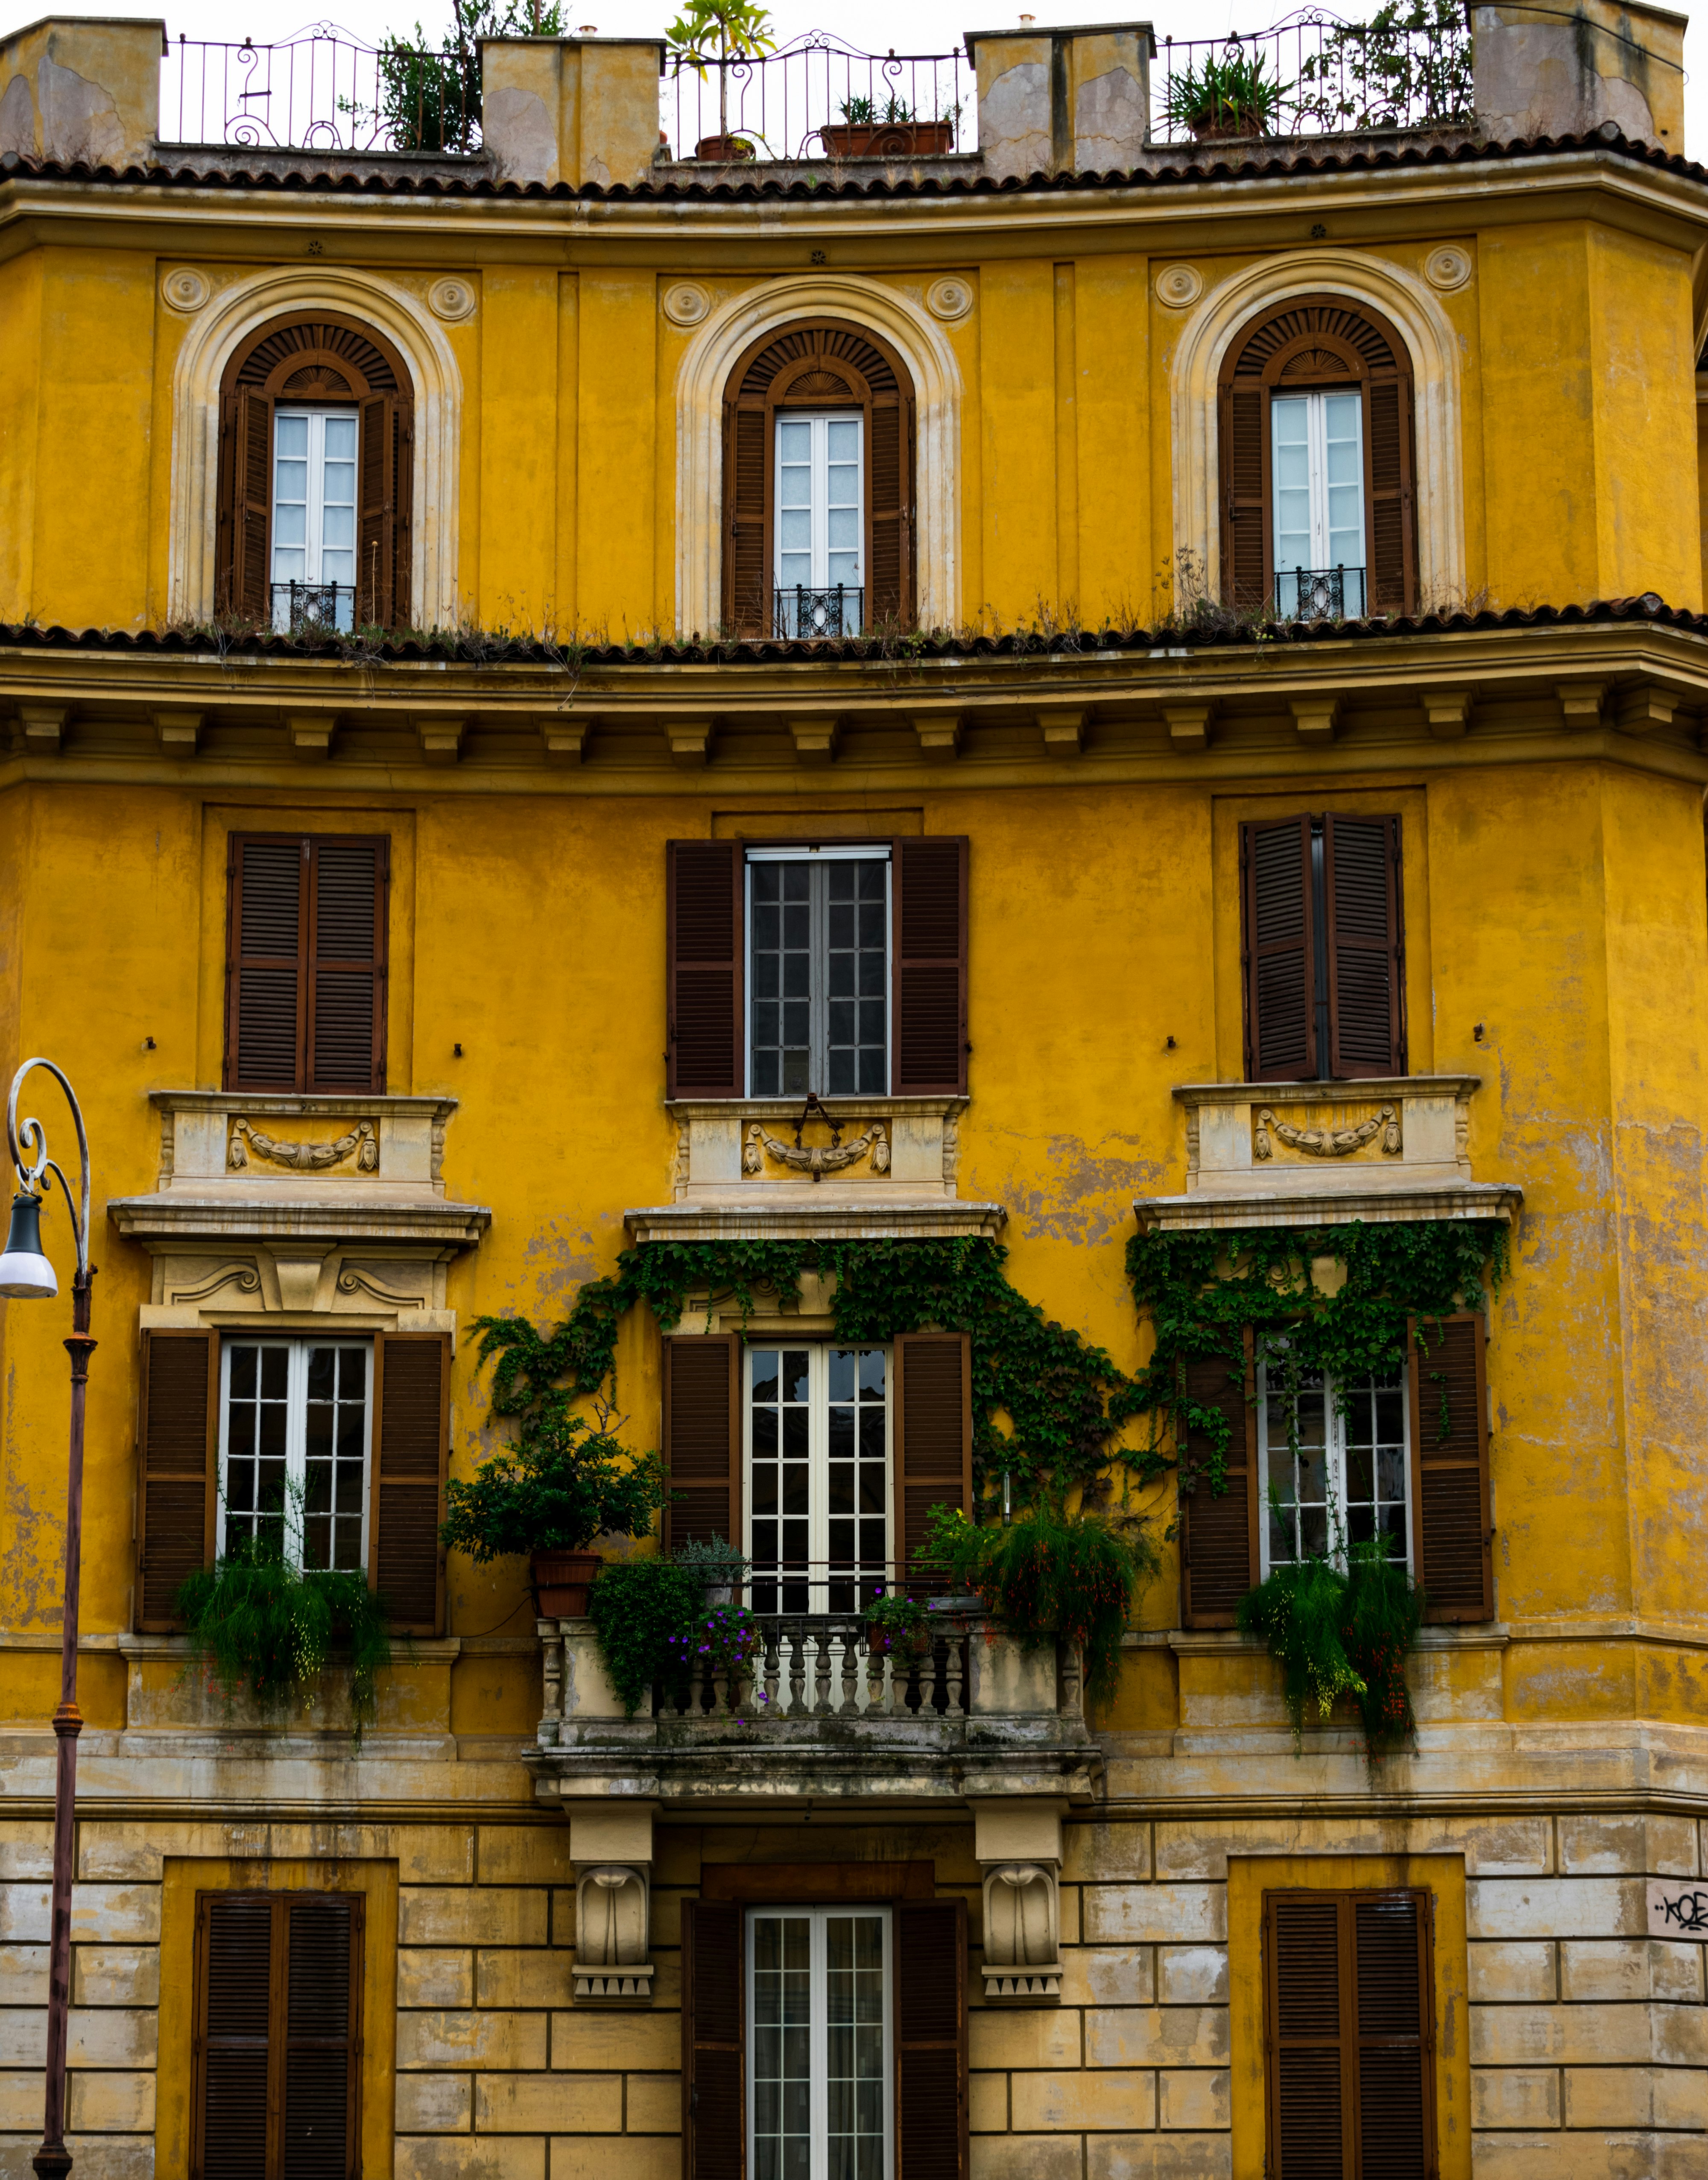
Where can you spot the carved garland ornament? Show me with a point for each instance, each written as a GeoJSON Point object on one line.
{"type": "Point", "coordinates": [305, 1157]}
{"type": "Point", "coordinates": [816, 1159]}
{"type": "Point", "coordinates": [1328, 1142]}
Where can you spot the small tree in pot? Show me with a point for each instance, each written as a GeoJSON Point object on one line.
{"type": "Point", "coordinates": [561, 1484]}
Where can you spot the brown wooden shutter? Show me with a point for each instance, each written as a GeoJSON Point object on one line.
{"type": "Point", "coordinates": [251, 502]}
{"type": "Point", "coordinates": [347, 964]}
{"type": "Point", "coordinates": [930, 2004]}
{"type": "Point", "coordinates": [1244, 434]}
{"type": "Point", "coordinates": [714, 2128]}
{"type": "Point", "coordinates": [403, 527]}
{"type": "Point", "coordinates": [746, 554]}
{"type": "Point", "coordinates": [1452, 1554]}
{"type": "Point", "coordinates": [933, 1412]}
{"type": "Point", "coordinates": [929, 950]}
{"type": "Point", "coordinates": [411, 1442]}
{"type": "Point", "coordinates": [177, 1456]}
{"type": "Point", "coordinates": [1349, 2035]}
{"type": "Point", "coordinates": [889, 498]}
{"type": "Point", "coordinates": [376, 531]}
{"type": "Point", "coordinates": [1366, 961]}
{"type": "Point", "coordinates": [1219, 1558]}
{"type": "Point", "coordinates": [1280, 957]}
{"type": "Point", "coordinates": [1387, 471]}
{"type": "Point", "coordinates": [266, 962]}
{"type": "Point", "coordinates": [702, 1437]}
{"type": "Point", "coordinates": [276, 2050]}
{"type": "Point", "coordinates": [704, 923]}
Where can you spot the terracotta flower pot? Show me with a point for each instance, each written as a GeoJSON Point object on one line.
{"type": "Point", "coordinates": [888, 139]}
{"type": "Point", "coordinates": [562, 1580]}
{"type": "Point", "coordinates": [1244, 125]}
{"type": "Point", "coordinates": [724, 149]}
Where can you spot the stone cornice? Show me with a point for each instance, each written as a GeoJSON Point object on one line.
{"type": "Point", "coordinates": [273, 1211]}
{"type": "Point", "coordinates": [931, 1218]}
{"type": "Point", "coordinates": [1203, 1212]}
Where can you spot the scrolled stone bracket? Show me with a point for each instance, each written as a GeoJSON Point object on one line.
{"type": "Point", "coordinates": [611, 1845]}
{"type": "Point", "coordinates": [1020, 1850]}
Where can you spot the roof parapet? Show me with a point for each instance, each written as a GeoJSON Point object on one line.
{"type": "Point", "coordinates": [1075, 101]}
{"type": "Point", "coordinates": [82, 87]}
{"type": "Point", "coordinates": [1541, 71]}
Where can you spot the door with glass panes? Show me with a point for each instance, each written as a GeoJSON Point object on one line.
{"type": "Point", "coordinates": [817, 1433]}
{"type": "Point", "coordinates": [819, 2093]}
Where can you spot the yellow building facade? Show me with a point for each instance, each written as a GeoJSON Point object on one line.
{"type": "Point", "coordinates": [1258, 791]}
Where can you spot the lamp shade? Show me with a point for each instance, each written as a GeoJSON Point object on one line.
{"type": "Point", "coordinates": [25, 1274]}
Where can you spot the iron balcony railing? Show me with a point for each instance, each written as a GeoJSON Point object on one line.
{"type": "Point", "coordinates": [313, 608]}
{"type": "Point", "coordinates": [798, 611]}
{"type": "Point", "coordinates": [1319, 594]}
{"type": "Point", "coordinates": [1311, 75]}
{"type": "Point", "coordinates": [817, 98]}
{"type": "Point", "coordinates": [321, 90]}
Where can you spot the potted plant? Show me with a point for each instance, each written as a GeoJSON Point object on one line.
{"type": "Point", "coordinates": [561, 1484]}
{"type": "Point", "coordinates": [719, 1566]}
{"type": "Point", "coordinates": [1227, 95]}
{"type": "Point", "coordinates": [640, 1608]}
{"type": "Point", "coordinates": [896, 1627]}
{"type": "Point", "coordinates": [713, 33]}
{"type": "Point", "coordinates": [864, 134]}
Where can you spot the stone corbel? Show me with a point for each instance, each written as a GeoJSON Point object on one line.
{"type": "Point", "coordinates": [939, 733]}
{"type": "Point", "coordinates": [1315, 718]}
{"type": "Point", "coordinates": [1018, 1845]}
{"type": "Point", "coordinates": [815, 740]}
{"type": "Point", "coordinates": [1189, 725]}
{"type": "Point", "coordinates": [611, 1845]}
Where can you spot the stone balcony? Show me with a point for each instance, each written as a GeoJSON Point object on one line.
{"type": "Point", "coordinates": [822, 1717]}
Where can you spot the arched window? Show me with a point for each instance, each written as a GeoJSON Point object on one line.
{"type": "Point", "coordinates": [316, 460]}
{"type": "Point", "coordinates": [818, 463]}
{"type": "Point", "coordinates": [1315, 432]}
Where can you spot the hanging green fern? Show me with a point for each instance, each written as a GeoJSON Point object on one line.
{"type": "Point", "coordinates": [1337, 1631]}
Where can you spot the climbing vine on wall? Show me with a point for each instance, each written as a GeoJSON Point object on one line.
{"type": "Point", "coordinates": [1202, 1290]}
{"type": "Point", "coordinates": [1046, 1402]}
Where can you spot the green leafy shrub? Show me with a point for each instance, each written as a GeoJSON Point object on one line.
{"type": "Point", "coordinates": [1225, 94]}
{"type": "Point", "coordinates": [640, 1609]}
{"type": "Point", "coordinates": [724, 1638]}
{"type": "Point", "coordinates": [562, 1483]}
{"type": "Point", "coordinates": [267, 1629]}
{"type": "Point", "coordinates": [1050, 1575]}
{"type": "Point", "coordinates": [897, 1627]}
{"type": "Point", "coordinates": [1337, 1631]}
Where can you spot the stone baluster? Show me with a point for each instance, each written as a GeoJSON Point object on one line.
{"type": "Point", "coordinates": [853, 1672]}
{"type": "Point", "coordinates": [1073, 1682]}
{"type": "Point", "coordinates": [817, 1656]}
{"type": "Point", "coordinates": [769, 1677]}
{"type": "Point", "coordinates": [799, 1693]}
{"type": "Point", "coordinates": [955, 1677]}
{"type": "Point", "coordinates": [552, 1719]}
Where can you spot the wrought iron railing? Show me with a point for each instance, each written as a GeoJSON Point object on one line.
{"type": "Point", "coordinates": [1319, 594]}
{"type": "Point", "coordinates": [818, 98]}
{"type": "Point", "coordinates": [321, 90]}
{"type": "Point", "coordinates": [1312, 75]}
{"type": "Point", "coordinates": [798, 611]}
{"type": "Point", "coordinates": [313, 608]}
{"type": "Point", "coordinates": [828, 1665]}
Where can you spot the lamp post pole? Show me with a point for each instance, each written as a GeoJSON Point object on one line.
{"type": "Point", "coordinates": [28, 1279]}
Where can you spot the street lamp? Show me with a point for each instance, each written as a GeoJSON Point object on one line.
{"type": "Point", "coordinates": [26, 1276]}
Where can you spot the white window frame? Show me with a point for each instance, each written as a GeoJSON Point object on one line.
{"type": "Point", "coordinates": [819, 2163]}
{"type": "Point", "coordinates": [1315, 401]}
{"type": "Point", "coordinates": [1335, 1442]}
{"type": "Point", "coordinates": [297, 1346]}
{"type": "Point", "coordinates": [821, 421]}
{"type": "Point", "coordinates": [818, 1062]}
{"type": "Point", "coordinates": [818, 1354]}
{"type": "Point", "coordinates": [314, 518]}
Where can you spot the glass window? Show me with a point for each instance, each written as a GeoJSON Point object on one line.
{"type": "Point", "coordinates": [314, 517]}
{"type": "Point", "coordinates": [1330, 1478]}
{"type": "Point", "coordinates": [293, 1448]}
{"type": "Point", "coordinates": [1317, 467]}
{"type": "Point", "coordinates": [819, 2053]}
{"type": "Point", "coordinates": [818, 1495]}
{"type": "Point", "coordinates": [818, 985]}
{"type": "Point", "coordinates": [819, 527]}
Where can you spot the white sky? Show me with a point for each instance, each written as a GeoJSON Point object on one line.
{"type": "Point", "coordinates": [910, 26]}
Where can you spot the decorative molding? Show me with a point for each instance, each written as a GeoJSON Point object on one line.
{"type": "Point", "coordinates": [816, 1159]}
{"type": "Point", "coordinates": [1414, 308]}
{"type": "Point", "coordinates": [303, 1158]}
{"type": "Point", "coordinates": [244, 1277]}
{"type": "Point", "coordinates": [1328, 1142]}
{"type": "Point", "coordinates": [1202, 1212]}
{"type": "Point", "coordinates": [707, 362]}
{"type": "Point", "coordinates": [612, 1909]}
{"type": "Point", "coordinates": [219, 330]}
{"type": "Point", "coordinates": [452, 299]}
{"type": "Point", "coordinates": [359, 1279]}
{"type": "Point", "coordinates": [1447, 267]}
{"type": "Point", "coordinates": [950, 298]}
{"type": "Point", "coordinates": [737, 1152]}
{"type": "Point", "coordinates": [686, 303]}
{"type": "Point", "coordinates": [1023, 1947]}
{"type": "Point", "coordinates": [1179, 286]}
{"type": "Point", "coordinates": [183, 289]}
{"type": "Point", "coordinates": [756, 1220]}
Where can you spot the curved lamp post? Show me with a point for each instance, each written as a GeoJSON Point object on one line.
{"type": "Point", "coordinates": [26, 1276]}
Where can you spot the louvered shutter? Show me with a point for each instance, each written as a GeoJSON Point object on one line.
{"type": "Point", "coordinates": [1244, 429]}
{"type": "Point", "coordinates": [889, 504]}
{"type": "Point", "coordinates": [929, 950]}
{"type": "Point", "coordinates": [702, 1437]}
{"type": "Point", "coordinates": [321, 2040]}
{"type": "Point", "coordinates": [713, 2124]}
{"type": "Point", "coordinates": [347, 964]}
{"type": "Point", "coordinates": [410, 1440]}
{"type": "Point", "coordinates": [933, 1437]}
{"type": "Point", "coordinates": [931, 2012]}
{"type": "Point", "coordinates": [1279, 952]}
{"type": "Point", "coordinates": [233, 2137]}
{"type": "Point", "coordinates": [250, 593]}
{"type": "Point", "coordinates": [1391, 1972]}
{"type": "Point", "coordinates": [704, 920]}
{"type": "Point", "coordinates": [1391, 542]}
{"type": "Point", "coordinates": [1366, 965]}
{"type": "Point", "coordinates": [266, 962]}
{"type": "Point", "coordinates": [1452, 1555]}
{"type": "Point", "coordinates": [404, 528]}
{"type": "Point", "coordinates": [177, 1456]}
{"type": "Point", "coordinates": [377, 531]}
{"type": "Point", "coordinates": [747, 554]}
{"type": "Point", "coordinates": [1311, 2099]}
{"type": "Point", "coordinates": [1218, 1530]}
